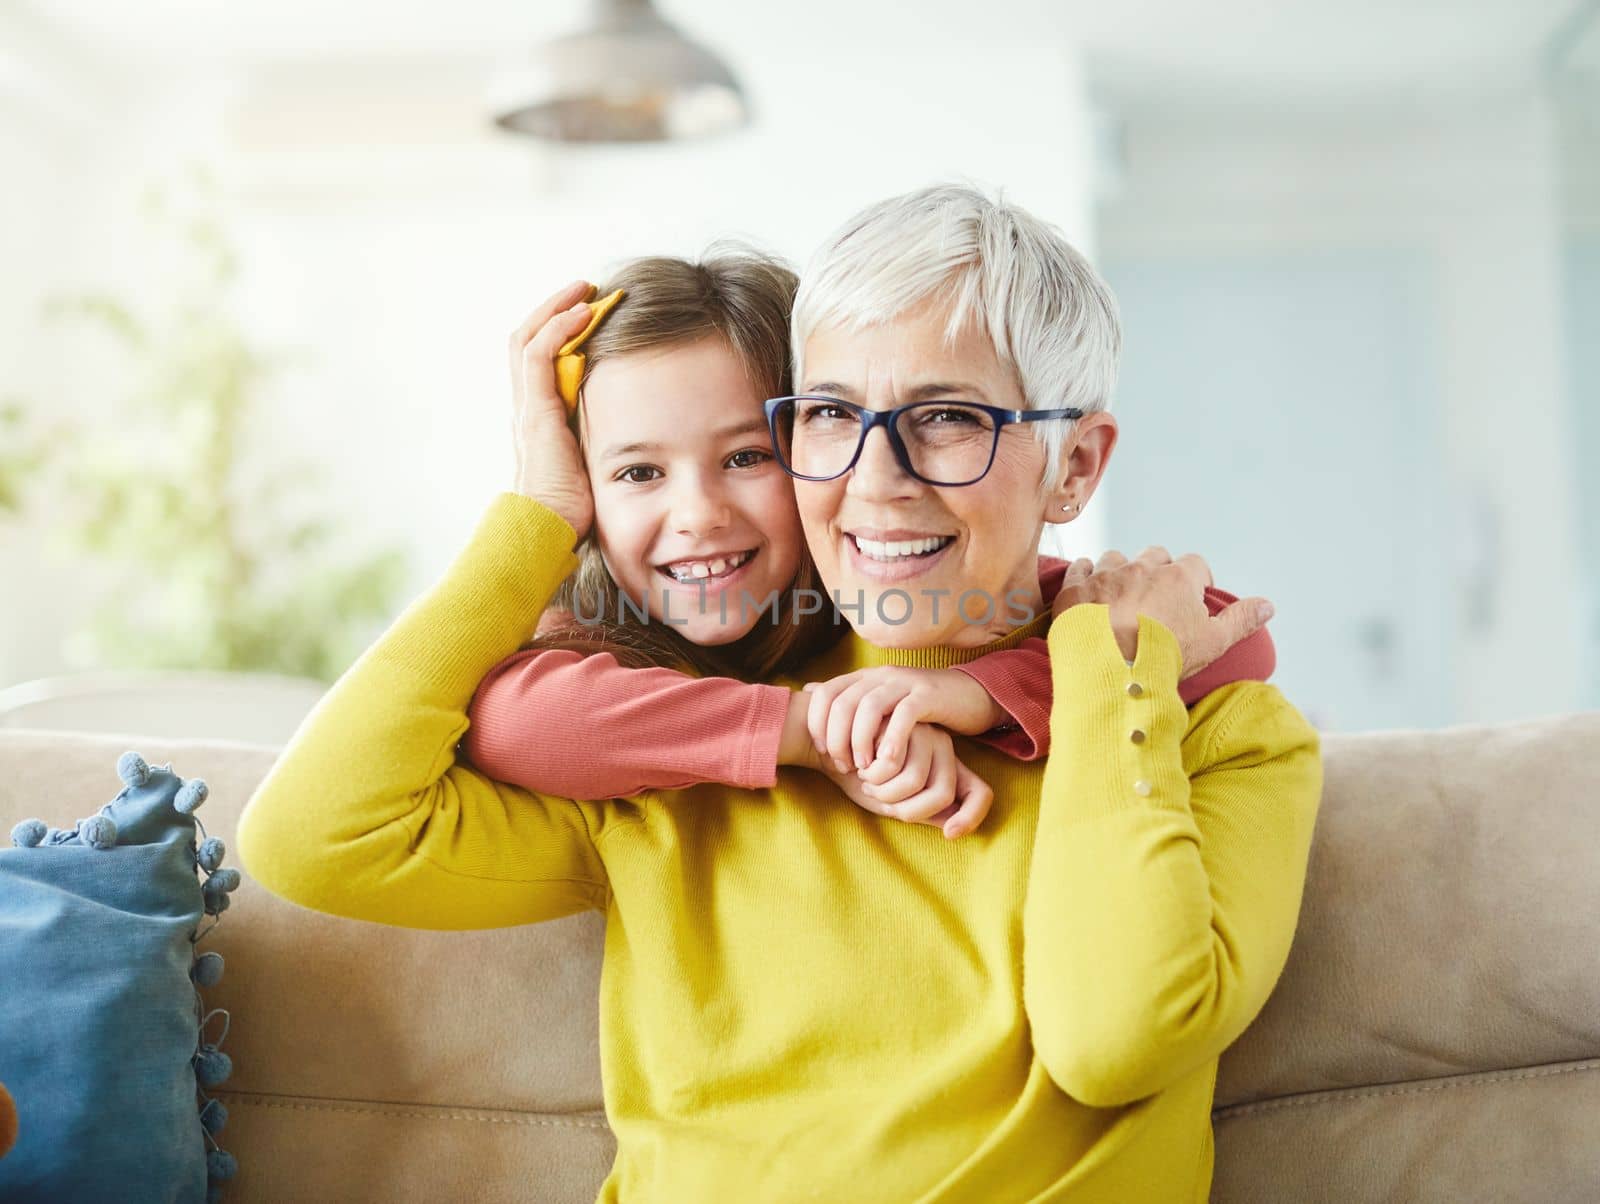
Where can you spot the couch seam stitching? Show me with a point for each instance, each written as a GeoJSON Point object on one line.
{"type": "Point", "coordinates": [1336, 1097]}
{"type": "Point", "coordinates": [301, 1106]}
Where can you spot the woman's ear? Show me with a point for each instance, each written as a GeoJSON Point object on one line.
{"type": "Point", "coordinates": [1083, 462]}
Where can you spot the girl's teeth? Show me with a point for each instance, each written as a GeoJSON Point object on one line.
{"type": "Point", "coordinates": [695, 569]}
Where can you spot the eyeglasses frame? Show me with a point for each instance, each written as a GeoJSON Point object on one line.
{"type": "Point", "coordinates": [887, 418]}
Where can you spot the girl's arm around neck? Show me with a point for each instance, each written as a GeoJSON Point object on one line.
{"type": "Point", "coordinates": [560, 721]}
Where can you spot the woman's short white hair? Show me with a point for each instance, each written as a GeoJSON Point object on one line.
{"type": "Point", "coordinates": [1047, 312]}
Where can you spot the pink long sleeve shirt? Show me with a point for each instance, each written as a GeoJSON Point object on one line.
{"type": "Point", "coordinates": [583, 726]}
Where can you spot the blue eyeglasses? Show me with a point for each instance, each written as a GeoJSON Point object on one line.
{"type": "Point", "coordinates": [938, 442]}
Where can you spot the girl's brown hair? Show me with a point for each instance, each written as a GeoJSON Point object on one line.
{"type": "Point", "coordinates": [743, 297]}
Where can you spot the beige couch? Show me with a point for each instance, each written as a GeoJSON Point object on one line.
{"type": "Point", "coordinates": [1436, 1035]}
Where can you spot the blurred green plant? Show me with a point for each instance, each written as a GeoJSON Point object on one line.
{"type": "Point", "coordinates": [22, 455]}
{"type": "Point", "coordinates": [215, 559]}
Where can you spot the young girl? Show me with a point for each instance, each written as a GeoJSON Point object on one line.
{"type": "Point", "coordinates": [659, 641]}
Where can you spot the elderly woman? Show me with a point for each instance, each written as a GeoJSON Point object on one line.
{"type": "Point", "coordinates": [801, 1000]}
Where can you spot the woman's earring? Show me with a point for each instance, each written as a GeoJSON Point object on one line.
{"type": "Point", "coordinates": [1074, 506]}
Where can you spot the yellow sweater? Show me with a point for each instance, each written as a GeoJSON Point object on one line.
{"type": "Point", "coordinates": [802, 1001]}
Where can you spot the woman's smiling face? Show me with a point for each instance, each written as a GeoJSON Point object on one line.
{"type": "Point", "coordinates": [686, 487]}
{"type": "Point", "coordinates": [989, 530]}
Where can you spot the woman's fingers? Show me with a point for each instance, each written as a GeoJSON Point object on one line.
{"type": "Point", "coordinates": [1074, 580]}
{"type": "Point", "coordinates": [1172, 592]}
{"type": "Point", "coordinates": [1110, 559]}
{"type": "Point", "coordinates": [1077, 574]}
{"type": "Point", "coordinates": [1238, 620]}
{"type": "Point", "coordinates": [547, 340]}
{"type": "Point", "coordinates": [533, 388]}
{"type": "Point", "coordinates": [539, 357]}
{"type": "Point", "coordinates": [548, 465]}
{"type": "Point", "coordinates": [1196, 566]}
{"type": "Point", "coordinates": [578, 290]}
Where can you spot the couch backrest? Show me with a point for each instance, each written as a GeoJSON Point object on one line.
{"type": "Point", "coordinates": [1436, 1035]}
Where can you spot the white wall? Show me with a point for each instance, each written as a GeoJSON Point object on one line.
{"type": "Point", "coordinates": [1474, 192]}
{"type": "Point", "coordinates": [399, 253]}
{"type": "Point", "coordinates": [1580, 162]}
{"type": "Point", "coordinates": [45, 152]}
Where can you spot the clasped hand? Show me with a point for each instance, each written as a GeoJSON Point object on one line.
{"type": "Point", "coordinates": [884, 734]}
{"type": "Point", "coordinates": [1172, 592]}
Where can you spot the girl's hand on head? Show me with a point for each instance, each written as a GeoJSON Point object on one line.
{"type": "Point", "coordinates": [549, 465]}
{"type": "Point", "coordinates": [1172, 592]}
{"type": "Point", "coordinates": [863, 720]}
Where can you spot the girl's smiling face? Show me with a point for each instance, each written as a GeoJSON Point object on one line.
{"type": "Point", "coordinates": [692, 512]}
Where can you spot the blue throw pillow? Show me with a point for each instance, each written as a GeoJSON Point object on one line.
{"type": "Point", "coordinates": [103, 1039]}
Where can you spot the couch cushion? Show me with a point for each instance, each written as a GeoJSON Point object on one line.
{"type": "Point", "coordinates": [102, 1020]}
{"type": "Point", "coordinates": [1436, 1033]}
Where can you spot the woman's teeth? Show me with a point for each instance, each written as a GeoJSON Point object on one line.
{"type": "Point", "coordinates": [699, 570]}
{"type": "Point", "coordinates": [901, 548]}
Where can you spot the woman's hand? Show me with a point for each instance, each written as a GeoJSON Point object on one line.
{"type": "Point", "coordinates": [549, 465]}
{"type": "Point", "coordinates": [933, 788]}
{"type": "Point", "coordinates": [1170, 591]}
{"type": "Point", "coordinates": [863, 720]}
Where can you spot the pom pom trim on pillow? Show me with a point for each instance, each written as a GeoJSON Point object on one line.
{"type": "Point", "coordinates": [211, 1066]}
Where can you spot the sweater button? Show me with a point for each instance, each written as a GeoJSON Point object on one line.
{"type": "Point", "coordinates": [1137, 735]}
{"type": "Point", "coordinates": [1134, 689]}
{"type": "Point", "coordinates": [1142, 788]}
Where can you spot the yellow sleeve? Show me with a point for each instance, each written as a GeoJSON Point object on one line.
{"type": "Point", "coordinates": [1167, 872]}
{"type": "Point", "coordinates": [368, 813]}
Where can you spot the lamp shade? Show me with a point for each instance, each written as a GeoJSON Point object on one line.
{"type": "Point", "coordinates": [628, 77]}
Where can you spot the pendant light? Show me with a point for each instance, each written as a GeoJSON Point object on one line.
{"type": "Point", "coordinates": [629, 76]}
